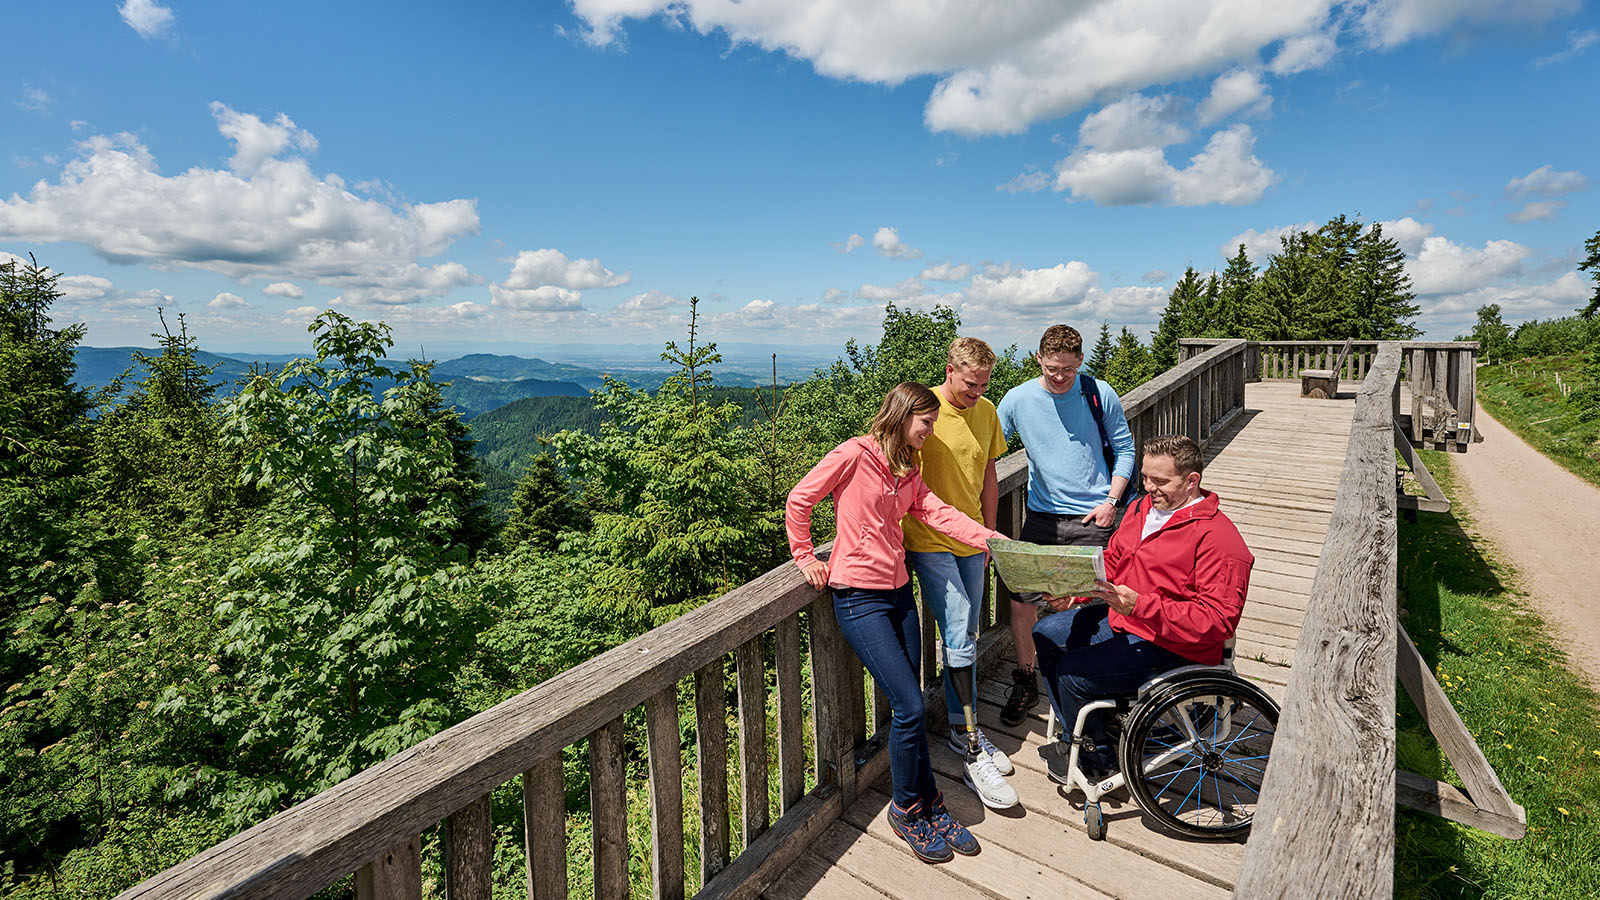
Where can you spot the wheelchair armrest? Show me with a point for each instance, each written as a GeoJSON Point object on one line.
{"type": "Point", "coordinates": [1182, 673]}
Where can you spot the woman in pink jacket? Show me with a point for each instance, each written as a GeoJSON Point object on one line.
{"type": "Point", "coordinates": [875, 484]}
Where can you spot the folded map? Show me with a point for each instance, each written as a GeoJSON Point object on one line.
{"type": "Point", "coordinates": [1048, 569]}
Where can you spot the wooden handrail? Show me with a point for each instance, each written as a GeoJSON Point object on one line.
{"type": "Point", "coordinates": [371, 820]}
{"type": "Point", "coordinates": [1331, 781]}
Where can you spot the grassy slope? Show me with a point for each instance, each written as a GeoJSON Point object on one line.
{"type": "Point", "coordinates": [1537, 722]}
{"type": "Point", "coordinates": [1523, 395]}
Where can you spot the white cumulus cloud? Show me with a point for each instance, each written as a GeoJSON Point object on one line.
{"type": "Point", "coordinates": [1240, 92]}
{"type": "Point", "coordinates": [850, 243]}
{"type": "Point", "coordinates": [887, 242]}
{"type": "Point", "coordinates": [1226, 171]}
{"type": "Point", "coordinates": [285, 289]}
{"type": "Point", "coordinates": [1134, 122]}
{"type": "Point", "coordinates": [270, 218]}
{"type": "Point", "coordinates": [1303, 53]}
{"type": "Point", "coordinates": [536, 268]}
{"type": "Point", "coordinates": [946, 272]}
{"type": "Point", "coordinates": [1017, 288]}
{"type": "Point", "coordinates": [1547, 181]}
{"type": "Point", "coordinates": [149, 18]}
{"type": "Point", "coordinates": [228, 300]}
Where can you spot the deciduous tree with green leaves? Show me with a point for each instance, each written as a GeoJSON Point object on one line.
{"type": "Point", "coordinates": [343, 626]}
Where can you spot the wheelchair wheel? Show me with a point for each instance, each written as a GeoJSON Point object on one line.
{"type": "Point", "coordinates": [1195, 751]}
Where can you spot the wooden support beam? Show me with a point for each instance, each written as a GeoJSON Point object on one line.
{"type": "Point", "coordinates": [751, 663]}
{"type": "Point", "coordinates": [395, 875]}
{"type": "Point", "coordinates": [711, 744]}
{"type": "Point", "coordinates": [791, 703]}
{"type": "Point", "coordinates": [544, 823]}
{"type": "Point", "coordinates": [469, 852]}
{"type": "Point", "coordinates": [608, 808]}
{"type": "Point", "coordinates": [666, 794]}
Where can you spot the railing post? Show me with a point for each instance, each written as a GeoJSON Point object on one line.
{"type": "Point", "coordinates": [666, 794]}
{"type": "Point", "coordinates": [835, 761]}
{"type": "Point", "coordinates": [544, 823]}
{"type": "Point", "coordinates": [394, 875]}
{"type": "Point", "coordinates": [791, 743]}
{"type": "Point", "coordinates": [753, 736]}
{"type": "Point", "coordinates": [711, 742]}
{"type": "Point", "coordinates": [469, 852]}
{"type": "Point", "coordinates": [608, 807]}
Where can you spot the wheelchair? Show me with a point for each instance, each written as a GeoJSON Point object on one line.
{"type": "Point", "coordinates": [1192, 748]}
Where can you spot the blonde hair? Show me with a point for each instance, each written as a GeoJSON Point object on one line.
{"type": "Point", "coordinates": [971, 352]}
{"type": "Point", "coordinates": [907, 399]}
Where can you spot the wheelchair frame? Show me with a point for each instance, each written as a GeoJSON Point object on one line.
{"type": "Point", "coordinates": [1169, 688]}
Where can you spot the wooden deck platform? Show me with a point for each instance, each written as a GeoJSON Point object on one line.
{"type": "Point", "coordinates": [1276, 468]}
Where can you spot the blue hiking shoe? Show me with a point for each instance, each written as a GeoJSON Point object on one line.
{"type": "Point", "coordinates": [954, 833]}
{"type": "Point", "coordinates": [913, 827]}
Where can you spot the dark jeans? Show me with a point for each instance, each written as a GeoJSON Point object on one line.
{"type": "Point", "coordinates": [1082, 659]}
{"type": "Point", "coordinates": [881, 627]}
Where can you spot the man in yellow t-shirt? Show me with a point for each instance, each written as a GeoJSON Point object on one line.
{"type": "Point", "coordinates": [957, 463]}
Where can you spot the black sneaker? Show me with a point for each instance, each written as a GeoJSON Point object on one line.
{"type": "Point", "coordinates": [1097, 764]}
{"type": "Point", "coordinates": [1021, 696]}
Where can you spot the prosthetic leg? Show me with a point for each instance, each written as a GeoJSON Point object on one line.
{"type": "Point", "coordinates": [961, 678]}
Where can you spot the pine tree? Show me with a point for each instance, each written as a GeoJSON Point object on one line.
{"type": "Point", "coordinates": [1233, 298]}
{"type": "Point", "coordinates": [1183, 305]}
{"type": "Point", "coordinates": [542, 508]}
{"type": "Point", "coordinates": [1276, 311]}
{"type": "Point", "coordinates": [1591, 264]}
{"type": "Point", "coordinates": [1100, 357]}
{"type": "Point", "coordinates": [1380, 290]}
{"type": "Point", "coordinates": [1131, 364]}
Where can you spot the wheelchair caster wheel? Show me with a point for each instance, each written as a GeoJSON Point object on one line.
{"type": "Point", "coordinates": [1094, 821]}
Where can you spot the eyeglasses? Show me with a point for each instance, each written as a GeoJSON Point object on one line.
{"type": "Point", "coordinates": [1058, 371]}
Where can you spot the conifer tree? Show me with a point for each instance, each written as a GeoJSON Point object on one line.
{"type": "Point", "coordinates": [1234, 298]}
{"type": "Point", "coordinates": [1380, 292]}
{"type": "Point", "coordinates": [542, 507]}
{"type": "Point", "coordinates": [1183, 304]}
{"type": "Point", "coordinates": [1295, 276]}
{"type": "Point", "coordinates": [1591, 264]}
{"type": "Point", "coordinates": [1100, 357]}
{"type": "Point", "coordinates": [1131, 364]}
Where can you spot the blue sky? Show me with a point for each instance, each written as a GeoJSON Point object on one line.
{"type": "Point", "coordinates": [503, 177]}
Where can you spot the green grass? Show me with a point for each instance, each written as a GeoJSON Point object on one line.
{"type": "Point", "coordinates": [1524, 395]}
{"type": "Point", "coordinates": [1537, 722]}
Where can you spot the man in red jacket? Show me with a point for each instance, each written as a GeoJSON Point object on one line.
{"type": "Point", "coordinates": [1176, 576]}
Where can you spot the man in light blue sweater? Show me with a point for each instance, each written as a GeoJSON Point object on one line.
{"type": "Point", "coordinates": [1078, 473]}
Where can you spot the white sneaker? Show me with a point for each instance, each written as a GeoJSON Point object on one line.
{"type": "Point", "coordinates": [986, 781]}
{"type": "Point", "coordinates": [1002, 762]}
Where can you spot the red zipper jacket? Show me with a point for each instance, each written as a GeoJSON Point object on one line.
{"type": "Point", "coordinates": [1192, 576]}
{"type": "Point", "coordinates": [868, 504]}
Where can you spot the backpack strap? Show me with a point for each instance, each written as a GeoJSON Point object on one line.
{"type": "Point", "coordinates": [1091, 395]}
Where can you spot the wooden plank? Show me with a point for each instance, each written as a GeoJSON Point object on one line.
{"type": "Point", "coordinates": [1430, 488]}
{"type": "Point", "coordinates": [761, 866]}
{"type": "Point", "coordinates": [891, 870]}
{"type": "Point", "coordinates": [469, 852]}
{"type": "Point", "coordinates": [999, 869]}
{"type": "Point", "coordinates": [812, 878]}
{"type": "Point", "coordinates": [395, 875]}
{"type": "Point", "coordinates": [1446, 800]}
{"type": "Point", "coordinates": [711, 754]}
{"type": "Point", "coordinates": [1477, 776]}
{"type": "Point", "coordinates": [753, 737]}
{"type": "Point", "coordinates": [1067, 852]}
{"type": "Point", "coordinates": [791, 703]}
{"type": "Point", "coordinates": [544, 829]}
{"type": "Point", "coordinates": [1331, 782]}
{"type": "Point", "coordinates": [662, 735]}
{"type": "Point", "coordinates": [608, 809]}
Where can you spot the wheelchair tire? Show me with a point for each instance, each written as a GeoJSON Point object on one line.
{"type": "Point", "coordinates": [1194, 753]}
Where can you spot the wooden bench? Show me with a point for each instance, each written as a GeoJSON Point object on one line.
{"type": "Point", "coordinates": [1323, 384]}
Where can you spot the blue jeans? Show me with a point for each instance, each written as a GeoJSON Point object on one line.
{"type": "Point", "coordinates": [1082, 659]}
{"type": "Point", "coordinates": [952, 589]}
{"type": "Point", "coordinates": [881, 627]}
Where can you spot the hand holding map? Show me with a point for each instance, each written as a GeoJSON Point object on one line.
{"type": "Point", "coordinates": [1048, 569]}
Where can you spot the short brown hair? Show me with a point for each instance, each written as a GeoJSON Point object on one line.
{"type": "Point", "coordinates": [971, 352]}
{"type": "Point", "coordinates": [902, 402]}
{"type": "Point", "coordinates": [1184, 451]}
{"type": "Point", "coordinates": [1061, 339]}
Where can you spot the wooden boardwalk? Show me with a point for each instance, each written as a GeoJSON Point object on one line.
{"type": "Point", "coordinates": [1276, 468]}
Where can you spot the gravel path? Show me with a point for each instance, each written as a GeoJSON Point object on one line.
{"type": "Point", "coordinates": [1545, 521]}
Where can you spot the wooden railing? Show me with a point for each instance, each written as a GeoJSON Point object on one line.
{"type": "Point", "coordinates": [1332, 784]}
{"type": "Point", "coordinates": [371, 823]}
{"type": "Point", "coordinates": [1438, 376]}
